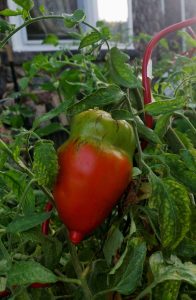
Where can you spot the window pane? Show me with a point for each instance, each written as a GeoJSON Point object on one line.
{"type": "Point", "coordinates": [39, 30]}
{"type": "Point", "coordinates": [115, 15]}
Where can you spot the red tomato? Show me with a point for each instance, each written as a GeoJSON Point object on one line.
{"type": "Point", "coordinates": [91, 179]}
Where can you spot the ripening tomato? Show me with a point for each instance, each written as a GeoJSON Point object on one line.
{"type": "Point", "coordinates": [94, 170]}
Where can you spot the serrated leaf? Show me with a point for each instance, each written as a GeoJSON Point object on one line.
{"type": "Point", "coordinates": [27, 272]}
{"type": "Point", "coordinates": [172, 270]}
{"type": "Point", "coordinates": [121, 114]}
{"type": "Point", "coordinates": [23, 83]}
{"type": "Point", "coordinates": [189, 158]}
{"type": "Point", "coordinates": [26, 4]}
{"type": "Point", "coordinates": [77, 17]}
{"type": "Point", "coordinates": [3, 282]}
{"type": "Point", "coordinates": [173, 204]}
{"type": "Point", "coordinates": [90, 39]}
{"type": "Point", "coordinates": [165, 106]}
{"type": "Point", "coordinates": [45, 163]}
{"type": "Point", "coordinates": [42, 9]}
{"type": "Point", "coordinates": [62, 108]}
{"type": "Point", "coordinates": [17, 183]}
{"type": "Point", "coordinates": [126, 275]}
{"type": "Point", "coordinates": [100, 98]}
{"type": "Point", "coordinates": [4, 26]}
{"type": "Point", "coordinates": [52, 251]}
{"type": "Point", "coordinates": [145, 132]}
{"type": "Point", "coordinates": [180, 171]}
{"type": "Point", "coordinates": [9, 12]}
{"type": "Point", "coordinates": [51, 39]}
{"type": "Point", "coordinates": [120, 70]}
{"type": "Point", "coordinates": [49, 129]}
{"type": "Point", "coordinates": [186, 248]}
{"type": "Point", "coordinates": [168, 289]}
{"type": "Point", "coordinates": [98, 277]}
{"type": "Point", "coordinates": [21, 224]}
{"type": "Point", "coordinates": [162, 125]}
{"type": "Point", "coordinates": [112, 243]}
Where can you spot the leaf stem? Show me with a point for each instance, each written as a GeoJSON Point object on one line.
{"type": "Point", "coordinates": [141, 155]}
{"type": "Point", "coordinates": [26, 23]}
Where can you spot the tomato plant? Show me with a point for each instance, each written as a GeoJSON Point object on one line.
{"type": "Point", "coordinates": [137, 237]}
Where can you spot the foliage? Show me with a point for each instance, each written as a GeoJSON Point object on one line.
{"type": "Point", "coordinates": [147, 245]}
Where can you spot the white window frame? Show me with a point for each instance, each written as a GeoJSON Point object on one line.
{"type": "Point", "coordinates": [20, 42]}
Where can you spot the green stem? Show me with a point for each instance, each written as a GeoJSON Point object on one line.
{"type": "Point", "coordinates": [78, 269]}
{"type": "Point", "coordinates": [141, 155]}
{"type": "Point", "coordinates": [69, 280]}
{"type": "Point", "coordinates": [37, 19]}
{"type": "Point", "coordinates": [28, 22]}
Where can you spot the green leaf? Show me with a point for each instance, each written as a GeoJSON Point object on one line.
{"type": "Point", "coordinates": [3, 282]}
{"type": "Point", "coordinates": [49, 129]}
{"type": "Point", "coordinates": [27, 272]}
{"type": "Point", "coordinates": [189, 158]}
{"type": "Point", "coordinates": [121, 114]}
{"type": "Point", "coordinates": [23, 83]}
{"type": "Point", "coordinates": [17, 183]}
{"type": "Point", "coordinates": [25, 223]}
{"type": "Point", "coordinates": [51, 39]}
{"type": "Point", "coordinates": [165, 106]}
{"type": "Point", "coordinates": [136, 172]}
{"type": "Point", "coordinates": [45, 163]}
{"type": "Point", "coordinates": [90, 39]}
{"type": "Point", "coordinates": [168, 289]}
{"type": "Point", "coordinates": [62, 108]}
{"type": "Point", "coordinates": [52, 251]}
{"type": "Point", "coordinates": [145, 132]}
{"type": "Point", "coordinates": [4, 26]}
{"type": "Point", "coordinates": [25, 4]}
{"type": "Point", "coordinates": [173, 204]}
{"type": "Point", "coordinates": [186, 248]}
{"type": "Point", "coordinates": [173, 269]}
{"type": "Point", "coordinates": [112, 244]}
{"type": "Point", "coordinates": [42, 9]}
{"type": "Point", "coordinates": [127, 273]}
{"type": "Point", "coordinates": [9, 12]}
{"type": "Point", "coordinates": [101, 97]}
{"type": "Point", "coordinates": [98, 277]}
{"type": "Point", "coordinates": [162, 125]}
{"type": "Point", "coordinates": [77, 17]}
{"type": "Point", "coordinates": [121, 72]}
{"type": "Point", "coordinates": [180, 171]}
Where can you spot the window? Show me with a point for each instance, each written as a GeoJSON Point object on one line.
{"type": "Point", "coordinates": [117, 14]}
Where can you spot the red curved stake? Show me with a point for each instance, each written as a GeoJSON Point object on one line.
{"type": "Point", "coordinates": [147, 55]}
